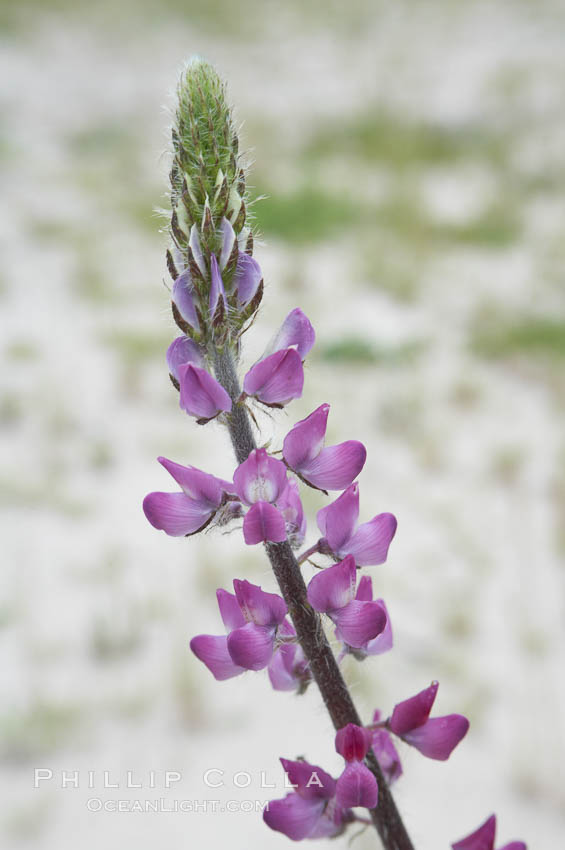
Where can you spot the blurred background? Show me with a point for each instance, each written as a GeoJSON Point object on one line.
{"type": "Point", "coordinates": [413, 159]}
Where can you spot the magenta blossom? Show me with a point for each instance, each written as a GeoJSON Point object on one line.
{"type": "Point", "coordinates": [260, 481]}
{"type": "Point", "coordinates": [252, 618]}
{"type": "Point", "coordinates": [383, 641]}
{"type": "Point", "coordinates": [331, 468]}
{"type": "Point", "coordinates": [278, 377]}
{"type": "Point", "coordinates": [180, 514]}
{"type": "Point", "coordinates": [332, 592]}
{"type": "Point", "coordinates": [311, 810]}
{"type": "Point", "coordinates": [200, 394]}
{"type": "Point", "coordinates": [289, 669]}
{"type": "Point", "coordinates": [356, 786]}
{"type": "Point", "coordinates": [385, 752]}
{"type": "Point", "coordinates": [483, 839]}
{"type": "Point", "coordinates": [183, 350]}
{"type": "Point", "coordinates": [368, 543]}
{"type": "Point", "coordinates": [434, 737]}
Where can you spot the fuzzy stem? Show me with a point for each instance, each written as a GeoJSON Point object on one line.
{"type": "Point", "coordinates": [308, 625]}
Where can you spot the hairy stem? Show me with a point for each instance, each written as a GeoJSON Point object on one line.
{"type": "Point", "coordinates": [385, 816]}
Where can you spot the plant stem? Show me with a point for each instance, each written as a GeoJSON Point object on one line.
{"type": "Point", "coordinates": [308, 625]}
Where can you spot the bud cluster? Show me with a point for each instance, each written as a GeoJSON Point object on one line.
{"type": "Point", "coordinates": [217, 284]}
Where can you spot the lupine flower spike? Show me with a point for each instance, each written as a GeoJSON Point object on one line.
{"type": "Point", "coordinates": [216, 292]}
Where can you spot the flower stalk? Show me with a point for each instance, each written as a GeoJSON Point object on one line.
{"type": "Point", "coordinates": [325, 670]}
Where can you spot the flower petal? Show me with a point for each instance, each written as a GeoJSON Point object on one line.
{"type": "Point", "coordinates": [369, 545]}
{"type": "Point", "coordinates": [228, 239]}
{"type": "Point", "coordinates": [212, 650]}
{"type": "Point", "coordinates": [331, 822]}
{"type": "Point", "coordinates": [438, 736]}
{"type": "Point", "coordinates": [183, 350]}
{"type": "Point", "coordinates": [481, 839]}
{"type": "Point", "coordinates": [200, 394]}
{"type": "Point", "coordinates": [217, 290]}
{"type": "Point", "coordinates": [352, 742]}
{"type": "Point", "coordinates": [365, 589]}
{"type": "Point", "coordinates": [333, 589]}
{"type": "Point", "coordinates": [281, 668]}
{"type": "Point", "coordinates": [230, 611]}
{"type": "Point", "coordinates": [277, 379]}
{"type": "Point", "coordinates": [413, 712]}
{"type": "Point", "coordinates": [336, 466]}
{"type": "Point", "coordinates": [251, 646]}
{"type": "Point", "coordinates": [359, 622]}
{"type": "Point", "coordinates": [175, 513]}
{"type": "Point", "coordinates": [194, 243]}
{"type": "Point", "coordinates": [290, 506]}
{"type": "Point", "coordinates": [294, 816]}
{"type": "Point", "coordinates": [387, 755]}
{"type": "Point", "coordinates": [260, 478]}
{"type": "Point", "coordinates": [312, 783]}
{"type": "Point", "coordinates": [337, 521]}
{"type": "Point", "coordinates": [263, 522]}
{"type": "Point", "coordinates": [258, 606]}
{"type": "Point", "coordinates": [247, 278]}
{"type": "Point", "coordinates": [296, 331]}
{"type": "Point", "coordinates": [184, 300]}
{"type": "Point", "coordinates": [514, 845]}
{"type": "Point", "coordinates": [198, 485]}
{"type": "Point", "coordinates": [357, 787]}
{"type": "Point", "coordinates": [382, 642]}
{"type": "Point", "coordinates": [306, 439]}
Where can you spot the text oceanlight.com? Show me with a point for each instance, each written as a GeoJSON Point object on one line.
{"type": "Point", "coordinates": [161, 805]}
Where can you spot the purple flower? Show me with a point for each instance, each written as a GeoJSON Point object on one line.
{"type": "Point", "coordinates": [311, 810]}
{"type": "Point", "coordinates": [385, 752]}
{"type": "Point", "coordinates": [180, 514]}
{"type": "Point", "coordinates": [289, 669]}
{"type": "Point", "coordinates": [356, 786]}
{"type": "Point", "coordinates": [278, 376]}
{"type": "Point", "coordinates": [483, 839]}
{"type": "Point", "coordinates": [383, 641]}
{"type": "Point", "coordinates": [259, 482]}
{"type": "Point", "coordinates": [200, 394]}
{"type": "Point", "coordinates": [331, 468]}
{"type": "Point", "coordinates": [185, 299]}
{"type": "Point", "coordinates": [368, 543]}
{"type": "Point", "coordinates": [252, 618]}
{"type": "Point", "coordinates": [251, 645]}
{"type": "Point", "coordinates": [290, 506]}
{"type": "Point", "coordinates": [276, 379]}
{"type": "Point", "coordinates": [183, 350]}
{"type": "Point", "coordinates": [434, 737]}
{"type": "Point", "coordinates": [332, 592]}
{"type": "Point", "coordinates": [247, 278]}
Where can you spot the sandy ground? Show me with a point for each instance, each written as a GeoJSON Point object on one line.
{"type": "Point", "coordinates": [465, 441]}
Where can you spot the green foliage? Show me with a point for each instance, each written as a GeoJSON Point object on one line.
{"type": "Point", "coordinates": [307, 215]}
{"type": "Point", "coordinates": [401, 141]}
{"type": "Point", "coordinates": [532, 337]}
{"type": "Point", "coordinates": [355, 349]}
